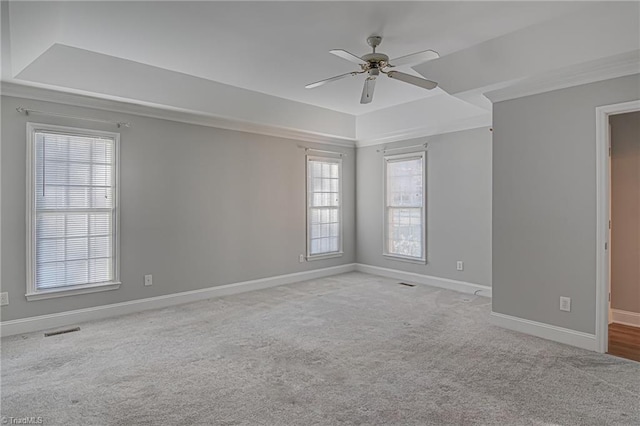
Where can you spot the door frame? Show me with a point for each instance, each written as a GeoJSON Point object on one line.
{"type": "Point", "coordinates": [603, 203]}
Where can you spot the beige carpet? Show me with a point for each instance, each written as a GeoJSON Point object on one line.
{"type": "Point", "coordinates": [351, 349]}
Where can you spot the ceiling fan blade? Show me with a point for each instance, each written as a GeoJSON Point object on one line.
{"type": "Point", "coordinates": [348, 56]}
{"type": "Point", "coordinates": [411, 79]}
{"type": "Point", "coordinates": [367, 90]}
{"type": "Point", "coordinates": [415, 58]}
{"type": "Point", "coordinates": [328, 80]}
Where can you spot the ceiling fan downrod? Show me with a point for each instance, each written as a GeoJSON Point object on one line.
{"type": "Point", "coordinates": [374, 41]}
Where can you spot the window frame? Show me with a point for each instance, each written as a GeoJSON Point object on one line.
{"type": "Point", "coordinates": [33, 293]}
{"type": "Point", "coordinates": [328, 255]}
{"type": "Point", "coordinates": [422, 155]}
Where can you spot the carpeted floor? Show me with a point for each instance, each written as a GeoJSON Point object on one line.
{"type": "Point", "coordinates": [350, 349]}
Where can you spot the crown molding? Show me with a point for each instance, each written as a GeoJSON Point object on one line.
{"type": "Point", "coordinates": [576, 75]}
{"type": "Point", "coordinates": [146, 109]}
{"type": "Point", "coordinates": [482, 120]}
{"type": "Point", "coordinates": [121, 106]}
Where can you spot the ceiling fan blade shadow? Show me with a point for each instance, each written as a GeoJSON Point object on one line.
{"type": "Point", "coordinates": [329, 80]}
{"type": "Point", "coordinates": [367, 90]}
{"type": "Point", "coordinates": [348, 56]}
{"type": "Point", "coordinates": [415, 58]}
{"type": "Point", "coordinates": [411, 79]}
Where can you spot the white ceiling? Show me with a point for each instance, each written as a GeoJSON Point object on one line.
{"type": "Point", "coordinates": [273, 48]}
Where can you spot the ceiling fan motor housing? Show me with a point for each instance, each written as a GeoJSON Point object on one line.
{"type": "Point", "coordinates": [375, 58]}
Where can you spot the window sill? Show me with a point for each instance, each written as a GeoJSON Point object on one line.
{"type": "Point", "coordinates": [72, 291]}
{"type": "Point", "coordinates": [324, 256]}
{"type": "Point", "coordinates": [405, 259]}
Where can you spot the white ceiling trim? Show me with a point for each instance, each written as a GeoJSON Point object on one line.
{"type": "Point", "coordinates": [120, 107]}
{"type": "Point", "coordinates": [599, 70]}
{"type": "Point", "coordinates": [103, 75]}
{"type": "Point", "coordinates": [483, 120]}
{"type": "Point", "coordinates": [145, 109]}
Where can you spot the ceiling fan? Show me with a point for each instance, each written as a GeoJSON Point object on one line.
{"type": "Point", "coordinates": [375, 63]}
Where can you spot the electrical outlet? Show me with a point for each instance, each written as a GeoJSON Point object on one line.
{"type": "Point", "coordinates": [301, 258]}
{"type": "Point", "coordinates": [565, 304]}
{"type": "Point", "coordinates": [460, 265]}
{"type": "Point", "coordinates": [148, 280]}
{"type": "Point", "coordinates": [4, 299]}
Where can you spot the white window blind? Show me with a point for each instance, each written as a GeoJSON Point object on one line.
{"type": "Point", "coordinates": [74, 209]}
{"type": "Point", "coordinates": [404, 206]}
{"type": "Point", "coordinates": [324, 193]}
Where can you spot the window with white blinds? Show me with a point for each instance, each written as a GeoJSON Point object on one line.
{"type": "Point", "coordinates": [73, 208]}
{"type": "Point", "coordinates": [324, 200]}
{"type": "Point", "coordinates": [404, 206]}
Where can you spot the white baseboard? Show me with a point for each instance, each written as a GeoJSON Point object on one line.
{"type": "Point", "coordinates": [625, 317]}
{"type": "Point", "coordinates": [461, 286]}
{"type": "Point", "coordinates": [546, 331]}
{"type": "Point", "coordinates": [43, 322]}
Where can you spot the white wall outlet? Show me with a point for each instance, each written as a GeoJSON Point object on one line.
{"type": "Point", "coordinates": [565, 304]}
{"type": "Point", "coordinates": [460, 265]}
{"type": "Point", "coordinates": [4, 299]}
{"type": "Point", "coordinates": [301, 258]}
{"type": "Point", "coordinates": [148, 280]}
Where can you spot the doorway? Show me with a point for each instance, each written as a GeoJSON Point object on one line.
{"type": "Point", "coordinates": [624, 253]}
{"type": "Point", "coordinates": [618, 235]}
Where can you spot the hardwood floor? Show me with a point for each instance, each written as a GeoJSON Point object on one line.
{"type": "Point", "coordinates": [624, 341]}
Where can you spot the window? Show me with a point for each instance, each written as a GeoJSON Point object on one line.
{"type": "Point", "coordinates": [72, 204]}
{"type": "Point", "coordinates": [324, 200]}
{"type": "Point", "coordinates": [404, 207]}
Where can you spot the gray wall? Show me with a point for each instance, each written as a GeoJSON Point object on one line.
{"type": "Point", "coordinates": [544, 202]}
{"type": "Point", "coordinates": [625, 211]}
{"type": "Point", "coordinates": [200, 207]}
{"type": "Point", "coordinates": [458, 206]}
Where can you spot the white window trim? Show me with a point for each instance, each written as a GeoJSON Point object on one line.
{"type": "Point", "coordinates": [340, 252]}
{"type": "Point", "coordinates": [392, 256]}
{"type": "Point", "coordinates": [32, 292]}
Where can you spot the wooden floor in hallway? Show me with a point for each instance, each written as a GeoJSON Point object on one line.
{"type": "Point", "coordinates": [624, 341]}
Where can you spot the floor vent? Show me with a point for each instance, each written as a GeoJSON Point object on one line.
{"type": "Point", "coordinates": [66, 330]}
{"type": "Point", "coordinates": [407, 284]}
